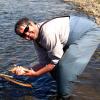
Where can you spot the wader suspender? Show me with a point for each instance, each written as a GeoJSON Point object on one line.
{"type": "Point", "coordinates": [40, 29]}
{"type": "Point", "coordinates": [37, 40]}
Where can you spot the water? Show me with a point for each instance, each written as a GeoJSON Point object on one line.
{"type": "Point", "coordinates": [14, 50]}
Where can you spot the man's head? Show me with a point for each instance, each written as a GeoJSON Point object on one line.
{"type": "Point", "coordinates": [27, 29]}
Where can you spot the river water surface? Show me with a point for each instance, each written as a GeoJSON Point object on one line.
{"type": "Point", "coordinates": [14, 50]}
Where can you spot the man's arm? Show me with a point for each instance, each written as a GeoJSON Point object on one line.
{"type": "Point", "coordinates": [39, 72]}
{"type": "Point", "coordinates": [19, 70]}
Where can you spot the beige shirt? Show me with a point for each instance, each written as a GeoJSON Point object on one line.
{"type": "Point", "coordinates": [53, 37]}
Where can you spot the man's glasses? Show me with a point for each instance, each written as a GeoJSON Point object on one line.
{"type": "Point", "coordinates": [25, 30]}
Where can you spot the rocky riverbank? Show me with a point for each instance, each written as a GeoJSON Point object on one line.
{"type": "Point", "coordinates": [89, 7]}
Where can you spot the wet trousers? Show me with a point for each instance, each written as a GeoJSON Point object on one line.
{"type": "Point", "coordinates": [83, 40]}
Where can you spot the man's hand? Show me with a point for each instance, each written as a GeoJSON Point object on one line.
{"type": "Point", "coordinates": [30, 73]}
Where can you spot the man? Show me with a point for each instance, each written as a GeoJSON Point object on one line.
{"type": "Point", "coordinates": [65, 46]}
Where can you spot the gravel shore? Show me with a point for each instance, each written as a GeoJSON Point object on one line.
{"type": "Point", "coordinates": [89, 7]}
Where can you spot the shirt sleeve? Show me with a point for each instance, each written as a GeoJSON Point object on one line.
{"type": "Point", "coordinates": [56, 52]}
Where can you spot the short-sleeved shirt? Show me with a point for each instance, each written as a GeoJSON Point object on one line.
{"type": "Point", "coordinates": [53, 37]}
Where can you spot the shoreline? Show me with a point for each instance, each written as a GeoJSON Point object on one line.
{"type": "Point", "coordinates": [88, 7]}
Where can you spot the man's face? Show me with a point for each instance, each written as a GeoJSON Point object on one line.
{"type": "Point", "coordinates": [29, 31]}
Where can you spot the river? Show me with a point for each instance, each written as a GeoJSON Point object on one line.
{"type": "Point", "coordinates": [14, 50]}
